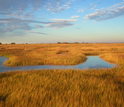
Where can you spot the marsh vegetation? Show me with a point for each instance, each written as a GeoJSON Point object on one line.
{"type": "Point", "coordinates": [59, 54]}
{"type": "Point", "coordinates": [58, 88]}
{"type": "Point", "coordinates": [62, 88]}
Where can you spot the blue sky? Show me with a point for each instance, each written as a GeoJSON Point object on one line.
{"type": "Point", "coordinates": [44, 21]}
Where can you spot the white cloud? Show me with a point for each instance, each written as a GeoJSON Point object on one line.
{"type": "Point", "coordinates": [107, 13]}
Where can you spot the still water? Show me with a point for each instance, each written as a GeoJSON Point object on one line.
{"type": "Point", "coordinates": [91, 62]}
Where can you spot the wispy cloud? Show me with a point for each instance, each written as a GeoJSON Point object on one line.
{"type": "Point", "coordinates": [9, 27]}
{"type": "Point", "coordinates": [64, 20]}
{"type": "Point", "coordinates": [10, 6]}
{"type": "Point", "coordinates": [17, 5]}
{"type": "Point", "coordinates": [59, 5]}
{"type": "Point", "coordinates": [107, 13]}
{"type": "Point", "coordinates": [17, 14]}
{"type": "Point", "coordinates": [60, 23]}
{"type": "Point", "coordinates": [11, 24]}
{"type": "Point", "coordinates": [17, 20]}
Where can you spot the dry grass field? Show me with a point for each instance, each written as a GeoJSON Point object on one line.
{"type": "Point", "coordinates": [58, 54]}
{"type": "Point", "coordinates": [62, 88]}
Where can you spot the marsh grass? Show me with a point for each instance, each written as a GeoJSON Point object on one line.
{"type": "Point", "coordinates": [57, 54]}
{"type": "Point", "coordinates": [63, 88]}
{"type": "Point", "coordinates": [117, 58]}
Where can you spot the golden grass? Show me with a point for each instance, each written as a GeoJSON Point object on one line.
{"type": "Point", "coordinates": [63, 88]}
{"type": "Point", "coordinates": [56, 54]}
{"type": "Point", "coordinates": [117, 58]}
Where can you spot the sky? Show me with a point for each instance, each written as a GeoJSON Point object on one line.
{"type": "Point", "coordinates": [49, 21]}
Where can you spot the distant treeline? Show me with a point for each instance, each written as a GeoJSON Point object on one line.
{"type": "Point", "coordinates": [70, 42]}
{"type": "Point", "coordinates": [6, 43]}
{"type": "Point", "coordinates": [62, 43]}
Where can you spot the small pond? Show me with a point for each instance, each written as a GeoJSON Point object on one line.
{"type": "Point", "coordinates": [91, 62]}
